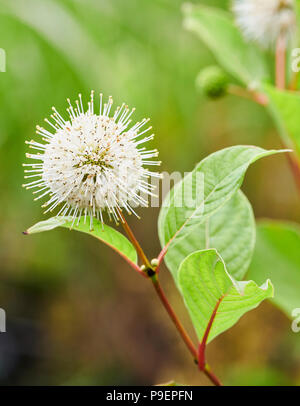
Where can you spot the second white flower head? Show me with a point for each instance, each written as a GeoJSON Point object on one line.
{"type": "Point", "coordinates": [265, 21]}
{"type": "Point", "coordinates": [92, 163]}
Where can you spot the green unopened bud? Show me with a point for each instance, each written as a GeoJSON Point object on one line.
{"type": "Point", "coordinates": [212, 81]}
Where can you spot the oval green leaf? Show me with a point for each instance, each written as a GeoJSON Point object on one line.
{"type": "Point", "coordinates": [196, 198]}
{"type": "Point", "coordinates": [231, 230]}
{"type": "Point", "coordinates": [102, 232]}
{"type": "Point", "coordinates": [205, 283]}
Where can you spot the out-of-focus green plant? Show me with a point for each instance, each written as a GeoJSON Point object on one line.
{"type": "Point", "coordinates": [243, 57]}
{"type": "Point", "coordinates": [57, 46]}
{"type": "Point", "coordinates": [82, 170]}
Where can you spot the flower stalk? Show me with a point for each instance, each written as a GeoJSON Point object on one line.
{"type": "Point", "coordinates": [134, 241]}
{"type": "Point", "coordinates": [187, 340]}
{"type": "Point", "coordinates": [202, 345]}
{"type": "Point", "coordinates": [184, 335]}
{"type": "Point", "coordinates": [257, 97]}
{"type": "Point", "coordinates": [280, 58]}
{"type": "Point", "coordinates": [151, 273]}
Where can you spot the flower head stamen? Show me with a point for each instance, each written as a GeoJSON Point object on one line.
{"type": "Point", "coordinates": [92, 163]}
{"type": "Point", "coordinates": [265, 21]}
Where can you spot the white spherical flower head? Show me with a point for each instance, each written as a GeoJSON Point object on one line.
{"type": "Point", "coordinates": [92, 163]}
{"type": "Point", "coordinates": [266, 21]}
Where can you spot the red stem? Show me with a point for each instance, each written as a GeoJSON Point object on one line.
{"type": "Point", "coordinates": [207, 370]}
{"type": "Point", "coordinates": [164, 300]}
{"type": "Point", "coordinates": [202, 345]}
{"type": "Point", "coordinates": [135, 242]}
{"type": "Point", "coordinates": [280, 63]}
{"type": "Point", "coordinates": [259, 98]}
{"type": "Point", "coordinates": [161, 256]}
{"type": "Point", "coordinates": [212, 376]}
{"type": "Point", "coordinates": [174, 318]}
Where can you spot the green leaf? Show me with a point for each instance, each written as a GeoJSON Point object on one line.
{"type": "Point", "coordinates": [193, 200]}
{"type": "Point", "coordinates": [104, 233]}
{"type": "Point", "coordinates": [277, 255]}
{"type": "Point", "coordinates": [205, 282]}
{"type": "Point", "coordinates": [231, 230]}
{"type": "Point", "coordinates": [218, 31]}
{"type": "Point", "coordinates": [284, 107]}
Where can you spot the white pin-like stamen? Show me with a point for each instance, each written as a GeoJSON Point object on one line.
{"type": "Point", "coordinates": [90, 164]}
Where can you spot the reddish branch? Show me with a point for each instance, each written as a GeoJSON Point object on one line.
{"type": "Point", "coordinates": [134, 241]}
{"type": "Point", "coordinates": [151, 273]}
{"type": "Point", "coordinates": [280, 63]}
{"type": "Point", "coordinates": [174, 318]}
{"type": "Point", "coordinates": [202, 345]}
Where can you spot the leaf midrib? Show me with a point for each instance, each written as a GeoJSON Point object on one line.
{"type": "Point", "coordinates": [204, 202]}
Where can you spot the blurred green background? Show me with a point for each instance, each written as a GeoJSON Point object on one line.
{"type": "Point", "coordinates": [76, 313]}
